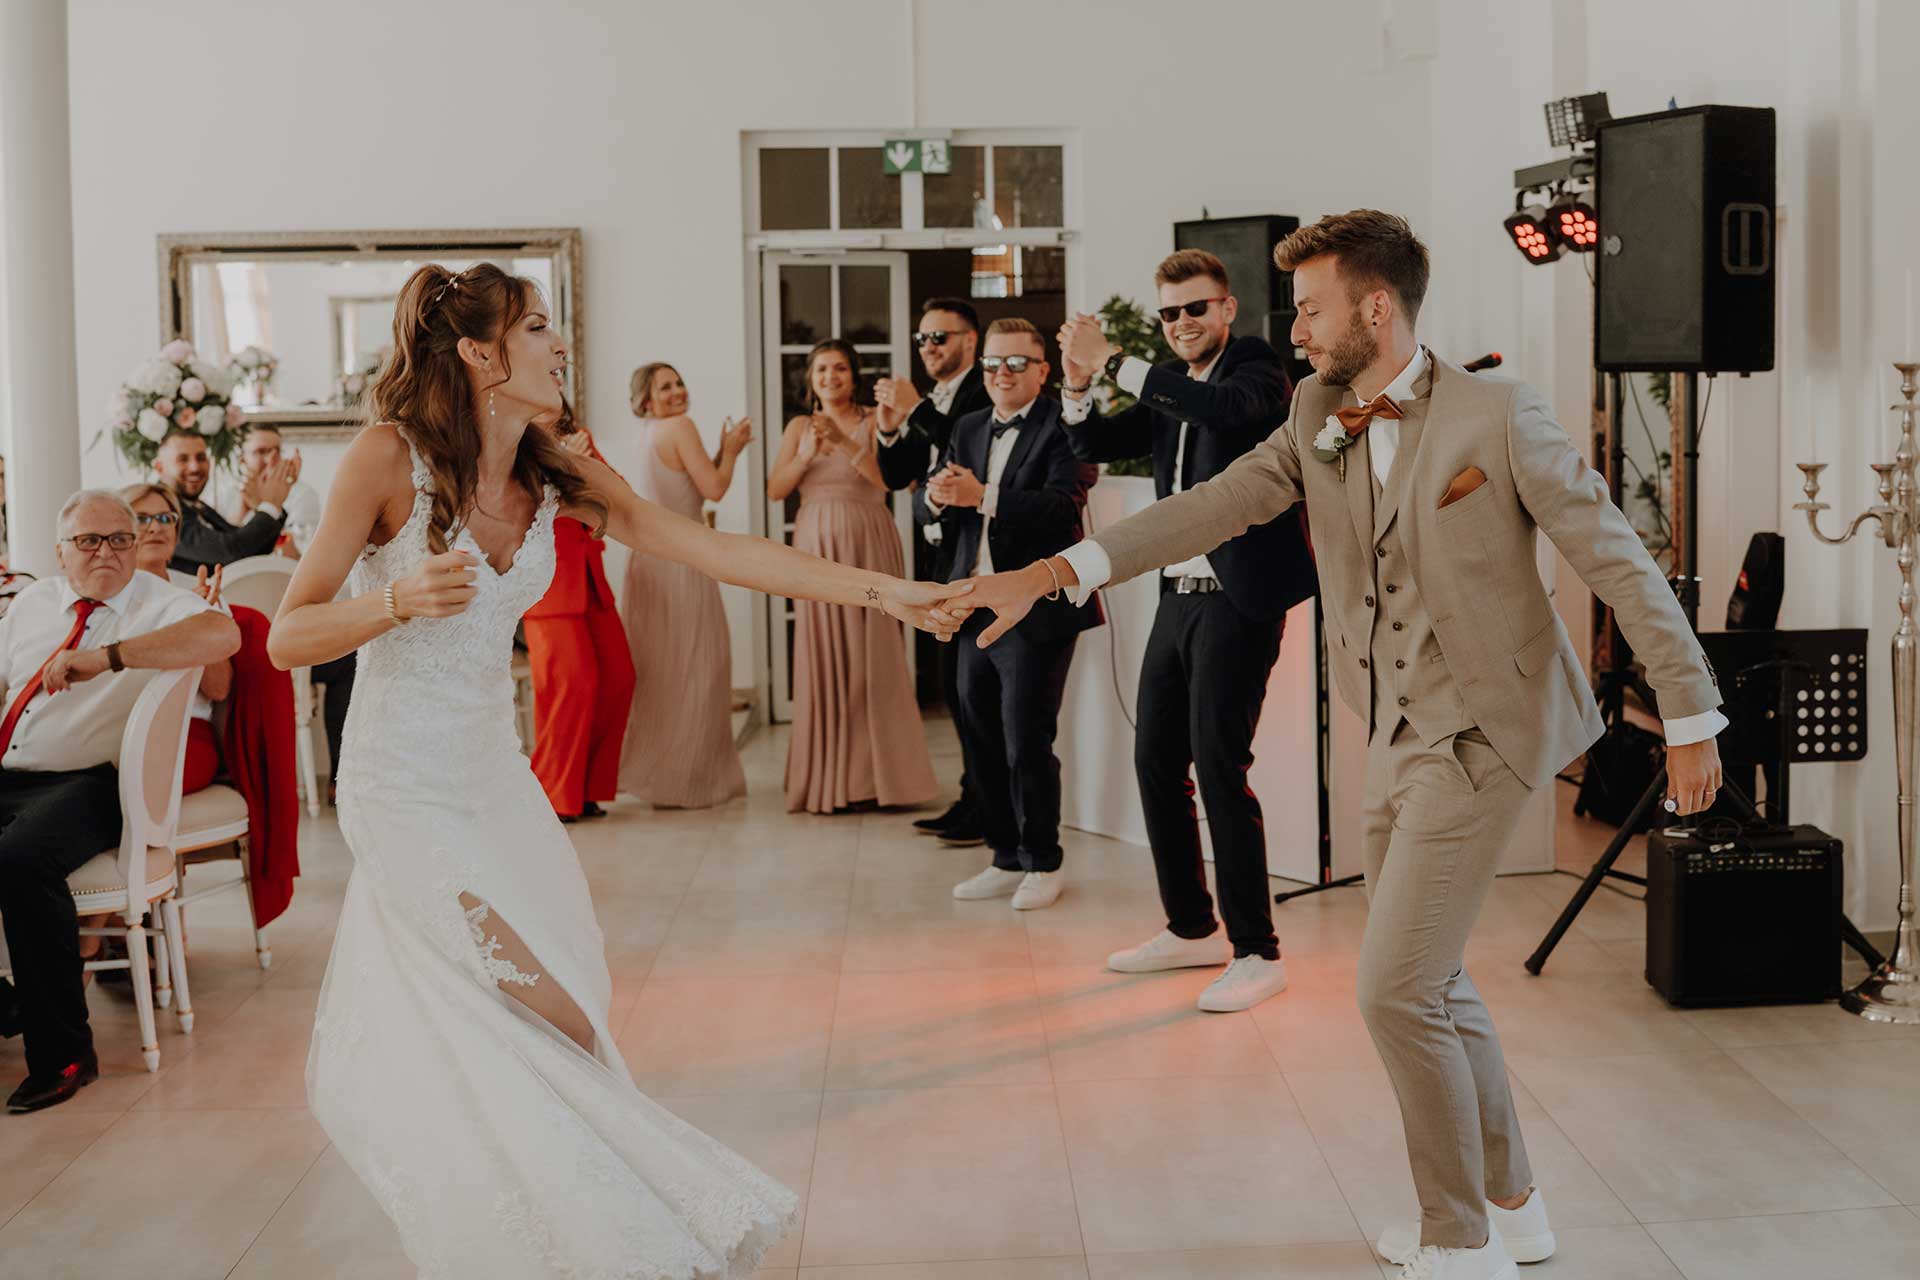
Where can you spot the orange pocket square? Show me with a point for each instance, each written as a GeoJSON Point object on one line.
{"type": "Point", "coordinates": [1463, 484]}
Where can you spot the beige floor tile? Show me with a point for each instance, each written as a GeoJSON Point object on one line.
{"type": "Point", "coordinates": [819, 865]}
{"type": "Point", "coordinates": [1115, 1026]}
{"type": "Point", "coordinates": [756, 933]}
{"type": "Point", "coordinates": [256, 1058]}
{"type": "Point", "coordinates": [1319, 923]}
{"type": "Point", "coordinates": [1865, 1244]}
{"type": "Point", "coordinates": [901, 924]}
{"type": "Point", "coordinates": [919, 860]}
{"type": "Point", "coordinates": [712, 1034]}
{"type": "Point", "coordinates": [776, 1131]}
{"type": "Point", "coordinates": [1315, 1023]}
{"type": "Point", "coordinates": [1092, 920]}
{"type": "Point", "coordinates": [243, 1165]}
{"type": "Point", "coordinates": [661, 865]}
{"type": "Point", "coordinates": [1180, 1164]}
{"type": "Point", "coordinates": [35, 1148]}
{"type": "Point", "coordinates": [1791, 1024]}
{"type": "Point", "coordinates": [1291, 1262]}
{"type": "Point", "coordinates": [926, 1029]}
{"type": "Point", "coordinates": [1693, 1136]}
{"type": "Point", "coordinates": [330, 1226]}
{"type": "Point", "coordinates": [928, 1175]}
{"type": "Point", "coordinates": [998, 1269]}
{"type": "Point", "coordinates": [1615, 913]}
{"type": "Point", "coordinates": [1580, 1012]}
{"type": "Point", "coordinates": [1606, 1253]}
{"type": "Point", "coordinates": [1863, 1098]}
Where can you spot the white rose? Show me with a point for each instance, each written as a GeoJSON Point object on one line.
{"type": "Point", "coordinates": [193, 391]}
{"type": "Point", "coordinates": [162, 377]}
{"type": "Point", "coordinates": [221, 382]}
{"type": "Point", "coordinates": [117, 404]}
{"type": "Point", "coordinates": [152, 426]}
{"type": "Point", "coordinates": [179, 351]}
{"type": "Point", "coordinates": [210, 421]}
{"type": "Point", "coordinates": [1329, 437]}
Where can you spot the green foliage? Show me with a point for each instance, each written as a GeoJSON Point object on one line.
{"type": "Point", "coordinates": [1130, 328]}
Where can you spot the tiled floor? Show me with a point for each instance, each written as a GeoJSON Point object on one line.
{"type": "Point", "coordinates": [963, 1093]}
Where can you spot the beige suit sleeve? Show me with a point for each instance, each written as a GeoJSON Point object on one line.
{"type": "Point", "coordinates": [1569, 502]}
{"type": "Point", "coordinates": [1260, 485]}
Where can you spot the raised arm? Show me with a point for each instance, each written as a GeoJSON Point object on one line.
{"type": "Point", "coordinates": [201, 545]}
{"type": "Point", "coordinates": [1250, 401]}
{"type": "Point", "coordinates": [711, 476]}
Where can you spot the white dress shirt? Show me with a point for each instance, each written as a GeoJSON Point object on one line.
{"type": "Point", "coordinates": [1092, 566]}
{"type": "Point", "coordinates": [81, 726]}
{"type": "Point", "coordinates": [997, 454]}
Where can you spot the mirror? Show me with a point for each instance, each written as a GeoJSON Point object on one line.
{"type": "Point", "coordinates": [322, 304]}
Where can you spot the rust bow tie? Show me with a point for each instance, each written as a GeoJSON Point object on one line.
{"type": "Point", "coordinates": [1354, 419]}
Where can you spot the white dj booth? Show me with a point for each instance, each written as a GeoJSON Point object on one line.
{"type": "Point", "coordinates": [1096, 739]}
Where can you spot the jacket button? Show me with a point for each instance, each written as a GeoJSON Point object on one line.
{"type": "Point", "coordinates": [1404, 701]}
{"type": "Point", "coordinates": [1363, 664]}
{"type": "Point", "coordinates": [1399, 626]}
{"type": "Point", "coordinates": [1399, 664]}
{"type": "Point", "coordinates": [1381, 552]}
{"type": "Point", "coordinates": [1369, 602]}
{"type": "Point", "coordinates": [1391, 588]}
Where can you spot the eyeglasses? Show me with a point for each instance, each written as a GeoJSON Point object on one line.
{"type": "Point", "coordinates": [1195, 309]}
{"type": "Point", "coordinates": [162, 518]}
{"type": "Point", "coordinates": [90, 542]}
{"type": "Point", "coordinates": [1014, 364]}
{"type": "Point", "coordinates": [935, 337]}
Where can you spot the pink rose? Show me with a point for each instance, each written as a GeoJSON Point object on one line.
{"type": "Point", "coordinates": [163, 407]}
{"type": "Point", "coordinates": [185, 418]}
{"type": "Point", "coordinates": [179, 351]}
{"type": "Point", "coordinates": [235, 416]}
{"type": "Point", "coordinates": [193, 391]}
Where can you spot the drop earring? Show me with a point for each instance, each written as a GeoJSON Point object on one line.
{"type": "Point", "coordinates": [490, 413]}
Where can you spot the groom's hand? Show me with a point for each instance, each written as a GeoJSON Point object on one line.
{"type": "Point", "coordinates": [1693, 776]}
{"type": "Point", "coordinates": [1011, 596]}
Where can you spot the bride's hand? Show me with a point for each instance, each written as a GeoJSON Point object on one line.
{"type": "Point", "coordinates": [912, 603]}
{"type": "Point", "coordinates": [441, 587]}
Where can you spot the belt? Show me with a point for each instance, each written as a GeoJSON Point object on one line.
{"type": "Point", "coordinates": [1195, 586]}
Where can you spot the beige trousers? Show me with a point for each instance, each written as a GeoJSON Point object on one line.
{"type": "Point", "coordinates": [1436, 822]}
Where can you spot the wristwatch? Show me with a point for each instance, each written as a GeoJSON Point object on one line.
{"type": "Point", "coordinates": [1114, 362]}
{"type": "Point", "coordinates": [114, 662]}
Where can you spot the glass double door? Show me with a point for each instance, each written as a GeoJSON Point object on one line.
{"type": "Point", "coordinates": [807, 298]}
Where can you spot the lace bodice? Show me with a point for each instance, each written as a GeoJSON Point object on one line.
{"type": "Point", "coordinates": [436, 687]}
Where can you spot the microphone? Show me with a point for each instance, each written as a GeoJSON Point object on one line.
{"type": "Point", "coordinates": [1491, 360]}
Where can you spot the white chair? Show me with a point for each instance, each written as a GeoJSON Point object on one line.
{"type": "Point", "coordinates": [259, 582]}
{"type": "Point", "coordinates": [213, 828]}
{"type": "Point", "coordinates": [140, 875]}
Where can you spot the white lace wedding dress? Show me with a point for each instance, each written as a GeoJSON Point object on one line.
{"type": "Point", "coordinates": [496, 1144]}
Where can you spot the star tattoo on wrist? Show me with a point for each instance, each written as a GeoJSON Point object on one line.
{"type": "Point", "coordinates": [872, 594]}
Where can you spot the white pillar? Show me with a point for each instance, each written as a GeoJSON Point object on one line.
{"type": "Point", "coordinates": [39, 401]}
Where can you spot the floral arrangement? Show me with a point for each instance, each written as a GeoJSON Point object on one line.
{"type": "Point", "coordinates": [256, 367]}
{"type": "Point", "coordinates": [349, 387]}
{"type": "Point", "coordinates": [176, 391]}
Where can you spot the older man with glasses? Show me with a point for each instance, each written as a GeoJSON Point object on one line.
{"type": "Point", "coordinates": [70, 648]}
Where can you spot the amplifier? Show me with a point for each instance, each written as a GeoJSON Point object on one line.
{"type": "Point", "coordinates": [1741, 918]}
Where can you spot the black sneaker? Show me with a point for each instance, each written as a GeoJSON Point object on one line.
{"type": "Point", "coordinates": [953, 817]}
{"type": "Point", "coordinates": [36, 1093]}
{"type": "Point", "coordinates": [963, 834]}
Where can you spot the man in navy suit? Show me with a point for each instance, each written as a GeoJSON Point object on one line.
{"type": "Point", "coordinates": [1012, 493]}
{"type": "Point", "coordinates": [1216, 634]}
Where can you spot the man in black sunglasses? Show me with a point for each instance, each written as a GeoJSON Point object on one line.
{"type": "Point", "coordinates": [912, 437]}
{"type": "Point", "coordinates": [1216, 635]}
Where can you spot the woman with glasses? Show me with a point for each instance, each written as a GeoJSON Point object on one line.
{"type": "Point", "coordinates": [156, 513]}
{"type": "Point", "coordinates": [857, 740]}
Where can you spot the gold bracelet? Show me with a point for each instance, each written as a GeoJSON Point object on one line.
{"type": "Point", "coordinates": [393, 610]}
{"type": "Point", "coordinates": [1057, 588]}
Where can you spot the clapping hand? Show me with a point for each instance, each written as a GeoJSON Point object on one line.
{"type": "Point", "coordinates": [896, 398]}
{"type": "Point", "coordinates": [208, 588]}
{"type": "Point", "coordinates": [827, 435]}
{"type": "Point", "coordinates": [956, 486]}
{"type": "Point", "coordinates": [735, 436]}
{"type": "Point", "coordinates": [1084, 349]}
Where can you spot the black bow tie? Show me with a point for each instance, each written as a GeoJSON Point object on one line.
{"type": "Point", "coordinates": [999, 426]}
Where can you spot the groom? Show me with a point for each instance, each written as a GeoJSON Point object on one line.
{"type": "Point", "coordinates": [1426, 485]}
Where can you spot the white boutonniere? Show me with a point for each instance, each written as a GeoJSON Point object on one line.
{"type": "Point", "coordinates": [1331, 444]}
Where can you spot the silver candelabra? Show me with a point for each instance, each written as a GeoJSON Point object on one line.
{"type": "Point", "coordinates": [1891, 993]}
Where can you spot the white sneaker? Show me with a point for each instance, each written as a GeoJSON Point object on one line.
{"type": "Point", "coordinates": [1488, 1262]}
{"type": "Point", "coordinates": [1168, 950]}
{"type": "Point", "coordinates": [1525, 1232]}
{"type": "Point", "coordinates": [1039, 889]}
{"type": "Point", "coordinates": [991, 883]}
{"type": "Point", "coordinates": [1247, 981]}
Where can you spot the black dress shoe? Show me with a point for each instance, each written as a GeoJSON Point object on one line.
{"type": "Point", "coordinates": [9, 1011]}
{"type": "Point", "coordinates": [592, 810]}
{"type": "Point", "coordinates": [36, 1093]}
{"type": "Point", "coordinates": [568, 819]}
{"type": "Point", "coordinates": [963, 834]}
{"type": "Point", "coordinates": [955, 816]}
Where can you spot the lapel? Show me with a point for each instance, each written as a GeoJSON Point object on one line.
{"type": "Point", "coordinates": [1359, 481]}
{"type": "Point", "coordinates": [1404, 458]}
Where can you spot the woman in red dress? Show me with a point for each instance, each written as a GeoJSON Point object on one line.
{"type": "Point", "coordinates": [582, 672]}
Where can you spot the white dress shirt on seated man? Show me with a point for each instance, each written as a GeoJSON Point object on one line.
{"type": "Point", "coordinates": [81, 726]}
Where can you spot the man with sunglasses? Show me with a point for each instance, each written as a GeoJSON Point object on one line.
{"type": "Point", "coordinates": [69, 648]}
{"type": "Point", "coordinates": [911, 436]}
{"type": "Point", "coordinates": [1011, 494]}
{"type": "Point", "coordinates": [1216, 634]}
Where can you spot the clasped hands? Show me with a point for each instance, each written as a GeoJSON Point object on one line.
{"type": "Point", "coordinates": [955, 486]}
{"type": "Point", "coordinates": [1084, 349]}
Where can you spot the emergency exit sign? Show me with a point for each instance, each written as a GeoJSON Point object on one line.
{"type": "Point", "coordinates": [918, 155]}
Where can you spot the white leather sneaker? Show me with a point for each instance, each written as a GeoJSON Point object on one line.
{"type": "Point", "coordinates": [991, 883]}
{"type": "Point", "coordinates": [1168, 950]}
{"type": "Point", "coordinates": [1039, 889]}
{"type": "Point", "coordinates": [1525, 1232]}
{"type": "Point", "coordinates": [1247, 981]}
{"type": "Point", "coordinates": [1488, 1262]}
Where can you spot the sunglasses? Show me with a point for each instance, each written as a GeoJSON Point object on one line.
{"type": "Point", "coordinates": [1014, 364]}
{"type": "Point", "coordinates": [90, 542]}
{"type": "Point", "coordinates": [1195, 309]}
{"type": "Point", "coordinates": [163, 519]}
{"type": "Point", "coordinates": [934, 338]}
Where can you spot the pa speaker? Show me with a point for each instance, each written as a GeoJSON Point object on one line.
{"type": "Point", "coordinates": [1685, 274]}
{"type": "Point", "coordinates": [1246, 246]}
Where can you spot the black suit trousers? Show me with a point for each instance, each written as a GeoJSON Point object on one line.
{"type": "Point", "coordinates": [1009, 713]}
{"type": "Point", "coordinates": [50, 825]}
{"type": "Point", "coordinates": [1201, 686]}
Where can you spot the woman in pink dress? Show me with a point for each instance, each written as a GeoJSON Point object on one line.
{"type": "Point", "coordinates": [680, 752]}
{"type": "Point", "coordinates": [857, 739]}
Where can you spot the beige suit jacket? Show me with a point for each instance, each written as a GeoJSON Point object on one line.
{"type": "Point", "coordinates": [1472, 561]}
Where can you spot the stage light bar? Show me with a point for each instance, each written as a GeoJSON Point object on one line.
{"type": "Point", "coordinates": [1571, 121]}
{"type": "Point", "coordinates": [1574, 223]}
{"type": "Point", "coordinates": [1527, 226]}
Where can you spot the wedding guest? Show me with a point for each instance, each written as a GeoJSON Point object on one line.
{"type": "Point", "coordinates": [680, 751]}
{"type": "Point", "coordinates": [1010, 494]}
{"type": "Point", "coordinates": [156, 516]}
{"type": "Point", "coordinates": [1216, 632]}
{"type": "Point", "coordinates": [912, 435]}
{"type": "Point", "coordinates": [70, 648]}
{"type": "Point", "coordinates": [582, 673]}
{"type": "Point", "coordinates": [857, 738]}
{"type": "Point", "coordinates": [261, 452]}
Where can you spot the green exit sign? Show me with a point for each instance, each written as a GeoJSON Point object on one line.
{"type": "Point", "coordinates": [918, 155]}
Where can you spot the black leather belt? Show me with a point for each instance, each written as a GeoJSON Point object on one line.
{"type": "Point", "coordinates": [1195, 586]}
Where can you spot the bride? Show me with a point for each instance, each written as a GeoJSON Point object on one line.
{"type": "Point", "coordinates": [461, 1059]}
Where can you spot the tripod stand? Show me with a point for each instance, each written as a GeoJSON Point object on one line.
{"type": "Point", "coordinates": [1323, 755]}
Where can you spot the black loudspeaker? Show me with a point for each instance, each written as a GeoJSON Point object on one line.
{"type": "Point", "coordinates": [1685, 273]}
{"type": "Point", "coordinates": [1744, 919]}
{"type": "Point", "coordinates": [1246, 246]}
{"type": "Point", "coordinates": [1755, 603]}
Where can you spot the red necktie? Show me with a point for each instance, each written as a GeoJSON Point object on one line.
{"type": "Point", "coordinates": [1354, 419]}
{"type": "Point", "coordinates": [82, 609]}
